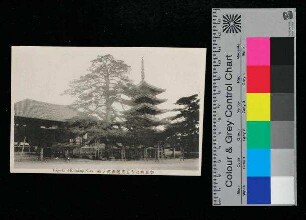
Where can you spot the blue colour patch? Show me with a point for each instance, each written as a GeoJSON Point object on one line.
{"type": "Point", "coordinates": [258, 162]}
{"type": "Point", "coordinates": [259, 190]}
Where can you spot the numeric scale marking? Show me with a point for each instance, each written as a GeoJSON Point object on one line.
{"type": "Point", "coordinates": [227, 99]}
{"type": "Point", "coordinates": [216, 62]}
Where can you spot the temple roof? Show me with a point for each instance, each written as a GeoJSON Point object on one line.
{"type": "Point", "coordinates": [41, 110]}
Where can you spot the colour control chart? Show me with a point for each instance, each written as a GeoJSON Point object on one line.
{"type": "Point", "coordinates": [254, 107]}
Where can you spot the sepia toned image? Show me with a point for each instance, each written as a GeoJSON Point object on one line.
{"type": "Point", "coordinates": [102, 110]}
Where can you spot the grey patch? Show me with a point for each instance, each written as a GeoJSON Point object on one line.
{"type": "Point", "coordinates": [282, 134]}
{"type": "Point", "coordinates": [282, 79]}
{"type": "Point", "coordinates": [282, 107]}
{"type": "Point", "coordinates": [282, 162]}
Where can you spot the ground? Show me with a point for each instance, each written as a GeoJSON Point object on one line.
{"type": "Point", "coordinates": [167, 164]}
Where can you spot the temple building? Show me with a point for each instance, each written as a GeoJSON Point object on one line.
{"type": "Point", "coordinates": [141, 118]}
{"type": "Point", "coordinates": [38, 125]}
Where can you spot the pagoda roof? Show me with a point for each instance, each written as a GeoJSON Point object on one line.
{"type": "Point", "coordinates": [151, 99]}
{"type": "Point", "coordinates": [143, 106]}
{"type": "Point", "coordinates": [146, 106]}
{"type": "Point", "coordinates": [143, 85]}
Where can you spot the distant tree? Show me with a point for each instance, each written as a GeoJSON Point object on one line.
{"type": "Point", "coordinates": [184, 129]}
{"type": "Point", "coordinates": [97, 91]}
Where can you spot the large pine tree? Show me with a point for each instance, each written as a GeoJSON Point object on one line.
{"type": "Point", "coordinates": [97, 91]}
{"type": "Point", "coordinates": [96, 94]}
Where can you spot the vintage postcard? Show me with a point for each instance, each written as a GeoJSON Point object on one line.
{"type": "Point", "coordinates": [102, 110]}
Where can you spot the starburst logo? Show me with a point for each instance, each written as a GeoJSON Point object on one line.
{"type": "Point", "coordinates": [231, 23]}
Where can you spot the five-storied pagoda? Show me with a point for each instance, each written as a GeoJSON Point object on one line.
{"type": "Point", "coordinates": [141, 118]}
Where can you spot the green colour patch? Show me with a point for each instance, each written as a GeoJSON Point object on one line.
{"type": "Point", "coordinates": [258, 134]}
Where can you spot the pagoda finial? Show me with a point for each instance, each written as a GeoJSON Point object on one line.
{"type": "Point", "coordinates": [142, 70]}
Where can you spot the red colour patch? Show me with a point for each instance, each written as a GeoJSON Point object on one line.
{"type": "Point", "coordinates": [258, 79]}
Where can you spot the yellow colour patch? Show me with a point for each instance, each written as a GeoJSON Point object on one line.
{"type": "Point", "coordinates": [258, 106]}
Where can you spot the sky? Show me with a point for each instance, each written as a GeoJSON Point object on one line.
{"type": "Point", "coordinates": [44, 73]}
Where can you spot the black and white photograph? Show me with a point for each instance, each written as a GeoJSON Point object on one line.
{"type": "Point", "coordinates": [126, 111]}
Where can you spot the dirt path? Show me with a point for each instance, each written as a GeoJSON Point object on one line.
{"type": "Point", "coordinates": [169, 164]}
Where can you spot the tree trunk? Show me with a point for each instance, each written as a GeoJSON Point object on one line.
{"type": "Point", "coordinates": [107, 110]}
{"type": "Point", "coordinates": [182, 152]}
{"type": "Point", "coordinates": [24, 140]}
{"type": "Point", "coordinates": [123, 153]}
{"type": "Point", "coordinates": [108, 104]}
{"type": "Point", "coordinates": [158, 152]}
{"type": "Point", "coordinates": [42, 154]}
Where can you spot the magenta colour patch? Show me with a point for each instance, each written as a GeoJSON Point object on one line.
{"type": "Point", "coordinates": [258, 51]}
